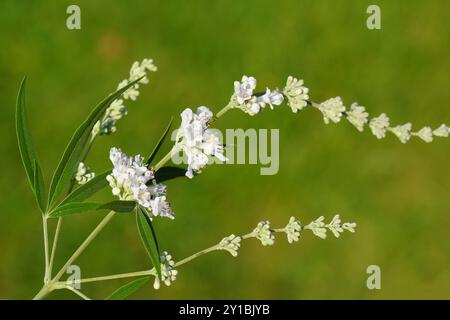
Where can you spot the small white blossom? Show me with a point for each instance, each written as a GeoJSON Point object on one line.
{"type": "Point", "coordinates": [168, 273]}
{"type": "Point", "coordinates": [426, 134]}
{"type": "Point", "coordinates": [231, 244]}
{"type": "Point", "coordinates": [84, 174]}
{"type": "Point", "coordinates": [197, 141]}
{"type": "Point", "coordinates": [335, 226]}
{"type": "Point", "coordinates": [263, 233]}
{"type": "Point", "coordinates": [129, 180]}
{"type": "Point", "coordinates": [442, 131]}
{"type": "Point", "coordinates": [349, 226]}
{"type": "Point", "coordinates": [403, 132]}
{"type": "Point", "coordinates": [270, 97]}
{"type": "Point", "coordinates": [357, 116]}
{"type": "Point", "coordinates": [318, 227]}
{"type": "Point", "coordinates": [243, 90]}
{"type": "Point", "coordinates": [293, 229]}
{"type": "Point", "coordinates": [252, 106]}
{"type": "Point", "coordinates": [296, 93]}
{"type": "Point", "coordinates": [379, 125]}
{"type": "Point", "coordinates": [132, 93]}
{"type": "Point", "coordinates": [117, 110]}
{"type": "Point", "coordinates": [332, 110]}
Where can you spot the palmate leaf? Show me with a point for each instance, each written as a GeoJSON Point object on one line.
{"type": "Point", "coordinates": [128, 289]}
{"type": "Point", "coordinates": [148, 236]}
{"type": "Point", "coordinates": [72, 154]}
{"type": "Point", "coordinates": [159, 144]}
{"type": "Point", "coordinates": [27, 151]}
{"type": "Point", "coordinates": [87, 190]}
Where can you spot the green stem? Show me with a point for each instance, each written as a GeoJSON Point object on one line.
{"type": "Point", "coordinates": [77, 292]}
{"type": "Point", "coordinates": [55, 243]}
{"type": "Point", "coordinates": [229, 106]}
{"type": "Point", "coordinates": [50, 286]}
{"type": "Point", "coordinates": [166, 158]}
{"type": "Point", "coordinates": [196, 255]}
{"type": "Point", "coordinates": [45, 229]}
{"type": "Point", "coordinates": [111, 277]}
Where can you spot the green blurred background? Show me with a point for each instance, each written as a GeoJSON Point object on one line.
{"type": "Point", "coordinates": [398, 194]}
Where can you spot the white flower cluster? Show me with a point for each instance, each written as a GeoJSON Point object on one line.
{"type": "Point", "coordinates": [84, 174]}
{"type": "Point", "coordinates": [168, 273]}
{"type": "Point", "coordinates": [296, 93]}
{"type": "Point", "coordinates": [132, 180]}
{"type": "Point", "coordinates": [197, 141]}
{"type": "Point", "coordinates": [231, 244]}
{"type": "Point", "coordinates": [117, 109]}
{"type": "Point", "coordinates": [297, 96]}
{"type": "Point", "coordinates": [293, 229]}
{"type": "Point", "coordinates": [244, 99]}
{"type": "Point", "coordinates": [263, 233]}
{"type": "Point", "coordinates": [319, 228]}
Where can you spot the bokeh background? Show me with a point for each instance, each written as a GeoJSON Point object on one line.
{"type": "Point", "coordinates": [398, 194]}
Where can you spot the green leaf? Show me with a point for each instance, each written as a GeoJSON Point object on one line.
{"type": "Point", "coordinates": [26, 148]}
{"type": "Point", "coordinates": [87, 190]}
{"type": "Point", "coordinates": [71, 157]}
{"type": "Point", "coordinates": [119, 206]}
{"type": "Point", "coordinates": [73, 208]}
{"type": "Point", "coordinates": [128, 289]}
{"type": "Point", "coordinates": [160, 142]}
{"type": "Point", "coordinates": [168, 173]}
{"type": "Point", "coordinates": [39, 187]}
{"type": "Point", "coordinates": [148, 236]}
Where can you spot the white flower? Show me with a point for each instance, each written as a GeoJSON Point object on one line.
{"type": "Point", "coordinates": [132, 93]}
{"type": "Point", "coordinates": [403, 132]}
{"type": "Point", "coordinates": [243, 90]}
{"type": "Point", "coordinates": [272, 98]}
{"type": "Point", "coordinates": [426, 134]}
{"type": "Point", "coordinates": [129, 180]}
{"type": "Point", "coordinates": [168, 273]}
{"type": "Point", "coordinates": [263, 233]}
{"type": "Point", "coordinates": [147, 64]}
{"type": "Point", "coordinates": [318, 227]}
{"type": "Point", "coordinates": [84, 174]}
{"type": "Point", "coordinates": [117, 110]}
{"type": "Point", "coordinates": [379, 125]}
{"type": "Point", "coordinates": [349, 226]}
{"type": "Point", "coordinates": [296, 93]}
{"type": "Point", "coordinates": [197, 141]}
{"type": "Point", "coordinates": [442, 131]}
{"type": "Point", "coordinates": [335, 226]}
{"type": "Point", "coordinates": [293, 229]}
{"type": "Point", "coordinates": [357, 116]}
{"type": "Point", "coordinates": [332, 110]}
{"type": "Point", "coordinates": [231, 244]}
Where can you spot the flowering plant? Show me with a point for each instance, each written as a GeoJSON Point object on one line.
{"type": "Point", "coordinates": [137, 183]}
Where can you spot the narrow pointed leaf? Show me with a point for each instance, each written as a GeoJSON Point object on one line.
{"type": "Point", "coordinates": [169, 173]}
{"type": "Point", "coordinates": [72, 155]}
{"type": "Point", "coordinates": [148, 236]}
{"type": "Point", "coordinates": [119, 206]}
{"type": "Point", "coordinates": [26, 148]}
{"type": "Point", "coordinates": [160, 142]}
{"type": "Point", "coordinates": [73, 208]}
{"type": "Point", "coordinates": [87, 190]}
{"type": "Point", "coordinates": [39, 187]}
{"type": "Point", "coordinates": [128, 289]}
